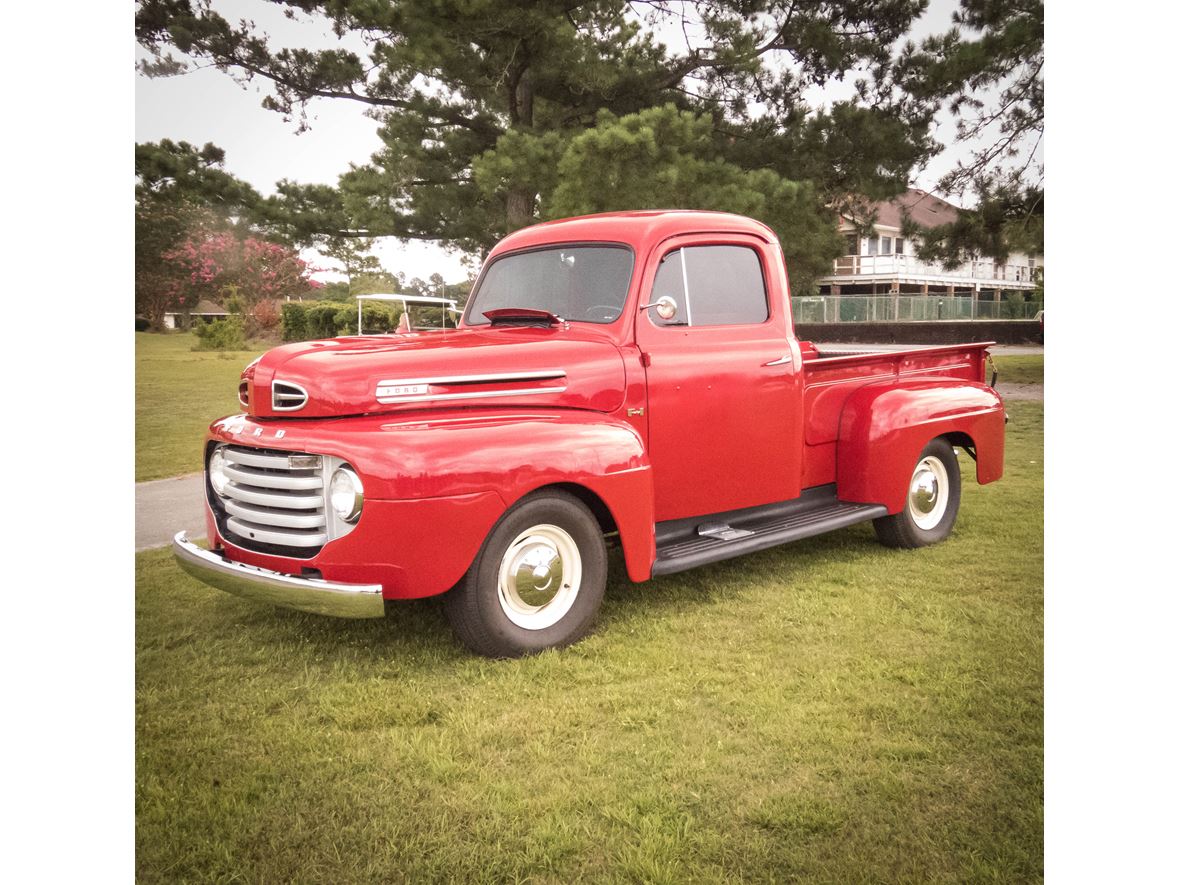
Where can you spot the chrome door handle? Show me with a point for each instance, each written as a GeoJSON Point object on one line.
{"type": "Point", "coordinates": [781, 361]}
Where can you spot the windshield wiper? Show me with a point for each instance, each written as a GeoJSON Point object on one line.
{"type": "Point", "coordinates": [522, 316]}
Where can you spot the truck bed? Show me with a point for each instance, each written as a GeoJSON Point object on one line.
{"type": "Point", "coordinates": [831, 376]}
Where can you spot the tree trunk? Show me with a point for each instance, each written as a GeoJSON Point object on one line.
{"type": "Point", "coordinates": [521, 202]}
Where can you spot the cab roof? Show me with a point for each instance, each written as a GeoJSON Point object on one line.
{"type": "Point", "coordinates": [639, 229]}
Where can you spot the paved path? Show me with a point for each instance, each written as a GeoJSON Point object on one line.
{"type": "Point", "coordinates": [165, 506]}
{"type": "Point", "coordinates": [1012, 390]}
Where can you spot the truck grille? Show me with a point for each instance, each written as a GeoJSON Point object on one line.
{"type": "Point", "coordinates": [274, 501]}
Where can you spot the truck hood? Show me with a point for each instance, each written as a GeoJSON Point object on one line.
{"type": "Point", "coordinates": [570, 367]}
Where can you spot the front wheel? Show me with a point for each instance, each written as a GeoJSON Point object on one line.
{"type": "Point", "coordinates": [537, 581]}
{"type": "Point", "coordinates": [932, 501]}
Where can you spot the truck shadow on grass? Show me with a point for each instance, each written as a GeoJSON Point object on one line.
{"type": "Point", "coordinates": [411, 630]}
{"type": "Point", "coordinates": [417, 630]}
{"type": "Point", "coordinates": [772, 572]}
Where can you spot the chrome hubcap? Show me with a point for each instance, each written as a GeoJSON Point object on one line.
{"type": "Point", "coordinates": [928, 492]}
{"type": "Point", "coordinates": [539, 577]}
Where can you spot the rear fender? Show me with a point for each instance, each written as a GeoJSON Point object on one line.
{"type": "Point", "coordinates": [884, 427]}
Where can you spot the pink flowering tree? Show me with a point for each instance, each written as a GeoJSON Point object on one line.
{"type": "Point", "coordinates": [218, 265]}
{"type": "Point", "coordinates": [272, 272]}
{"type": "Point", "coordinates": [161, 285]}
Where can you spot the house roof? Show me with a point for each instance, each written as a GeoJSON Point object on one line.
{"type": "Point", "coordinates": [924, 209]}
{"type": "Point", "coordinates": [207, 306]}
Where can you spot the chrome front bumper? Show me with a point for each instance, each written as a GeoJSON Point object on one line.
{"type": "Point", "coordinates": [289, 591]}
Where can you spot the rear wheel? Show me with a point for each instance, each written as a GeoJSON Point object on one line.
{"type": "Point", "coordinates": [932, 501]}
{"type": "Point", "coordinates": [536, 583]}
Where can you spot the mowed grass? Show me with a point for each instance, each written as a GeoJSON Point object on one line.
{"type": "Point", "coordinates": [178, 393]}
{"type": "Point", "coordinates": [1021, 369]}
{"type": "Point", "coordinates": [827, 711]}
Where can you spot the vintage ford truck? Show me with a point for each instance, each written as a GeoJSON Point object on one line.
{"type": "Point", "coordinates": [627, 378]}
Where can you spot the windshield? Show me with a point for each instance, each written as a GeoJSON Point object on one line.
{"type": "Point", "coordinates": [581, 283]}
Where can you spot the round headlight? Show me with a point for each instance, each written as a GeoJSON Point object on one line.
{"type": "Point", "coordinates": [346, 494]}
{"type": "Point", "coordinates": [217, 475]}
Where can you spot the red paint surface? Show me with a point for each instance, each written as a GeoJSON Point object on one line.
{"type": "Point", "coordinates": [884, 428]}
{"type": "Point", "coordinates": [654, 422]}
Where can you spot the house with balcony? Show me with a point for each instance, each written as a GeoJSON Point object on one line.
{"type": "Point", "coordinates": [881, 278]}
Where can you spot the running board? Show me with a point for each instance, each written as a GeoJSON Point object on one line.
{"type": "Point", "coordinates": [686, 543]}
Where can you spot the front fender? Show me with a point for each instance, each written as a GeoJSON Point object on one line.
{"type": "Point", "coordinates": [884, 427]}
{"type": "Point", "coordinates": [589, 450]}
{"type": "Point", "coordinates": [437, 482]}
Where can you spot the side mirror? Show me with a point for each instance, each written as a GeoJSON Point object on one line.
{"type": "Point", "coordinates": [666, 307]}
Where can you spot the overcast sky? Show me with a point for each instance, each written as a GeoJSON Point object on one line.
{"type": "Point", "coordinates": [208, 105]}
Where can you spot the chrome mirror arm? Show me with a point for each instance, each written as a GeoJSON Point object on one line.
{"type": "Point", "coordinates": [666, 307]}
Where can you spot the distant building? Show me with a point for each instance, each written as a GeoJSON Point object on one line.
{"type": "Point", "coordinates": [206, 311]}
{"type": "Point", "coordinates": [885, 263]}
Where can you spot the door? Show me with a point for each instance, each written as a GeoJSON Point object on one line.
{"type": "Point", "coordinates": [724, 377]}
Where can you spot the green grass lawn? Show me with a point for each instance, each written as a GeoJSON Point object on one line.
{"type": "Point", "coordinates": [826, 711]}
{"type": "Point", "coordinates": [1021, 369]}
{"type": "Point", "coordinates": [178, 393]}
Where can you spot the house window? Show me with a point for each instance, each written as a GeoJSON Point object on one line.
{"type": "Point", "coordinates": [899, 246]}
{"type": "Point", "coordinates": [852, 246]}
{"type": "Point", "coordinates": [872, 241]}
{"type": "Point", "coordinates": [886, 245]}
{"type": "Point", "coordinates": [724, 286]}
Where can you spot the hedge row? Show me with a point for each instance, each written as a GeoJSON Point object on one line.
{"type": "Point", "coordinates": [309, 320]}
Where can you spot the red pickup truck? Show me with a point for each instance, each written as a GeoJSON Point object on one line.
{"type": "Point", "coordinates": [628, 378]}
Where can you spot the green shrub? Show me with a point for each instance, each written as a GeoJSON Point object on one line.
{"type": "Point", "coordinates": [378, 318]}
{"type": "Point", "coordinates": [321, 320]}
{"type": "Point", "coordinates": [304, 321]}
{"type": "Point", "coordinates": [227, 334]}
{"type": "Point", "coordinates": [345, 320]}
{"type": "Point", "coordinates": [294, 321]}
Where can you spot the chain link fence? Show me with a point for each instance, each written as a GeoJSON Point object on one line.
{"type": "Point", "coordinates": [908, 308]}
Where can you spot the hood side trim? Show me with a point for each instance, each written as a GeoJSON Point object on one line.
{"type": "Point", "coordinates": [474, 394]}
{"type": "Point", "coordinates": [498, 378]}
{"type": "Point", "coordinates": [416, 390]}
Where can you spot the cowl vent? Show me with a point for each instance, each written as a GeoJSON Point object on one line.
{"type": "Point", "coordinates": [287, 397]}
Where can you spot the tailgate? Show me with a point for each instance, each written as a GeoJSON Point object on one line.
{"type": "Point", "coordinates": [831, 377]}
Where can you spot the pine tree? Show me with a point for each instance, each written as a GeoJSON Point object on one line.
{"type": "Point", "coordinates": [488, 108]}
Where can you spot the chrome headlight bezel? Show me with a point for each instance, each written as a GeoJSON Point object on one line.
{"type": "Point", "coordinates": [216, 470]}
{"type": "Point", "coordinates": [346, 494]}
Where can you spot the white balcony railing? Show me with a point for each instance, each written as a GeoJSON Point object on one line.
{"type": "Point", "coordinates": [909, 308]}
{"type": "Point", "coordinates": [909, 265]}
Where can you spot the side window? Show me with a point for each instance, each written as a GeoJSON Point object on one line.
{"type": "Point", "coordinates": [712, 286]}
{"type": "Point", "coordinates": [670, 282]}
